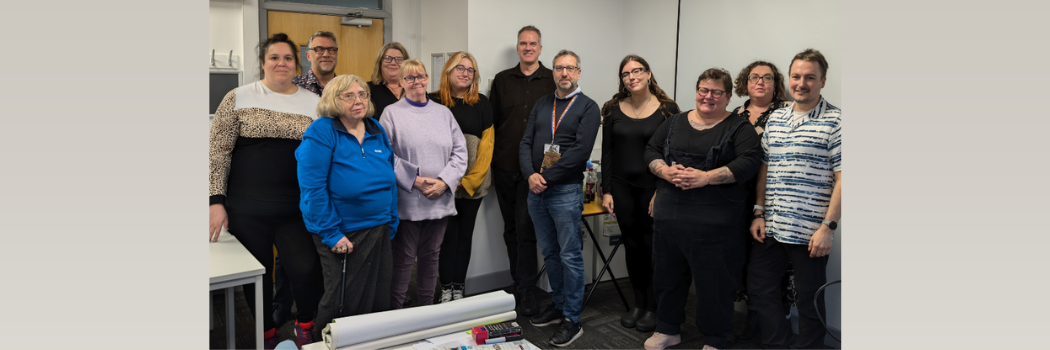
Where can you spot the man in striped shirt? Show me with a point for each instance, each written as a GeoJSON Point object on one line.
{"type": "Point", "coordinates": [799, 201]}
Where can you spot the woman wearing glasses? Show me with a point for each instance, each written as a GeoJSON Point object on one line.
{"type": "Point", "coordinates": [253, 189]}
{"type": "Point", "coordinates": [386, 81]}
{"type": "Point", "coordinates": [459, 92]}
{"type": "Point", "coordinates": [763, 85]}
{"type": "Point", "coordinates": [629, 120]}
{"type": "Point", "coordinates": [349, 200]}
{"type": "Point", "coordinates": [702, 157]}
{"type": "Point", "coordinates": [430, 158]}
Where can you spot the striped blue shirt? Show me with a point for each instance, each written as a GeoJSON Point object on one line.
{"type": "Point", "coordinates": [802, 156]}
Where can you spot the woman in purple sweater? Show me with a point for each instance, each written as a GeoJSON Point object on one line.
{"type": "Point", "coordinates": [430, 156]}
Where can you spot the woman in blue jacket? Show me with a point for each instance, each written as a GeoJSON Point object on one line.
{"type": "Point", "coordinates": [349, 200]}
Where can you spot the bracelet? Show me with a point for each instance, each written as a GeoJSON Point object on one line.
{"type": "Point", "coordinates": [759, 207]}
{"type": "Point", "coordinates": [760, 216]}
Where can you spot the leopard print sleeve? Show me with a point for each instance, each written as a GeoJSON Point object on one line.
{"type": "Point", "coordinates": [224, 131]}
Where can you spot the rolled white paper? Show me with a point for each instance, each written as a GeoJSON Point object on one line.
{"type": "Point", "coordinates": [394, 327]}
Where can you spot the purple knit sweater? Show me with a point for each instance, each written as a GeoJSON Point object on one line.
{"type": "Point", "coordinates": [426, 140]}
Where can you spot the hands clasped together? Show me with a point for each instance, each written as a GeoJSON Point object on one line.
{"type": "Point", "coordinates": [683, 177]}
{"type": "Point", "coordinates": [432, 188]}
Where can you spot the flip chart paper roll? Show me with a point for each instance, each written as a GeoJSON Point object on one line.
{"type": "Point", "coordinates": [388, 325]}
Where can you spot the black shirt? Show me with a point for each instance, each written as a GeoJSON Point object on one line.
{"type": "Point", "coordinates": [623, 147]}
{"type": "Point", "coordinates": [473, 120]}
{"type": "Point", "coordinates": [743, 158]}
{"type": "Point", "coordinates": [381, 97]}
{"type": "Point", "coordinates": [513, 96]}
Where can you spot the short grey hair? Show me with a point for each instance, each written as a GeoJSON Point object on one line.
{"type": "Point", "coordinates": [567, 53]}
{"type": "Point", "coordinates": [323, 34]}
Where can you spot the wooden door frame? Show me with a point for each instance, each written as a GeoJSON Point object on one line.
{"type": "Point", "coordinates": [383, 13]}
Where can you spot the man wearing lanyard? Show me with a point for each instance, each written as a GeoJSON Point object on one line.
{"type": "Point", "coordinates": [558, 140]}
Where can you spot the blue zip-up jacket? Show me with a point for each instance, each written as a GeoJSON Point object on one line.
{"type": "Point", "coordinates": [346, 186]}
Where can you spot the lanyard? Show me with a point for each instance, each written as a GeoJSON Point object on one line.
{"type": "Point", "coordinates": [555, 122]}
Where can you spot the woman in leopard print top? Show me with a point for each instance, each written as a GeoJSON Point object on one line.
{"type": "Point", "coordinates": [254, 190]}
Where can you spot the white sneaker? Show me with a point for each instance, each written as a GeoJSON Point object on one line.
{"type": "Point", "coordinates": [457, 294]}
{"type": "Point", "coordinates": [446, 295]}
{"type": "Point", "coordinates": [660, 341]}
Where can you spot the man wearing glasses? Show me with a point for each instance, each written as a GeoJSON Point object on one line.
{"type": "Point", "coordinates": [554, 150]}
{"type": "Point", "coordinates": [798, 204]}
{"type": "Point", "coordinates": [322, 54]}
{"type": "Point", "coordinates": [513, 96]}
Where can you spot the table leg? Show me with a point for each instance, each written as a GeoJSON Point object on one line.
{"type": "Point", "coordinates": [259, 312]}
{"type": "Point", "coordinates": [607, 261]}
{"type": "Point", "coordinates": [231, 330]}
{"type": "Point", "coordinates": [211, 312]}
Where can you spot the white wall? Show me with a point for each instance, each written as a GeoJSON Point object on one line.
{"type": "Point", "coordinates": [407, 18]}
{"type": "Point", "coordinates": [444, 29]}
{"type": "Point", "coordinates": [732, 34]}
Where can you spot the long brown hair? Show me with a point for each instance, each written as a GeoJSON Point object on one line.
{"type": "Point", "coordinates": [445, 88]}
{"type": "Point", "coordinates": [377, 75]}
{"type": "Point", "coordinates": [622, 92]}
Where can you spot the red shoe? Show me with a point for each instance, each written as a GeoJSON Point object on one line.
{"type": "Point", "coordinates": [303, 333]}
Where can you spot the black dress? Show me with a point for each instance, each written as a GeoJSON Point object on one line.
{"type": "Point", "coordinates": [627, 178]}
{"type": "Point", "coordinates": [696, 231]}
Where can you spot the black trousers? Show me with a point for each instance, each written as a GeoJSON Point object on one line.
{"type": "Point", "coordinates": [455, 248]}
{"type": "Point", "coordinates": [769, 262]}
{"type": "Point", "coordinates": [631, 205]}
{"type": "Point", "coordinates": [260, 226]}
{"type": "Point", "coordinates": [365, 286]}
{"type": "Point", "coordinates": [694, 240]}
{"type": "Point", "coordinates": [512, 191]}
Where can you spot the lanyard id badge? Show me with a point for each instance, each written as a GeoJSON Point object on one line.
{"type": "Point", "coordinates": [551, 151]}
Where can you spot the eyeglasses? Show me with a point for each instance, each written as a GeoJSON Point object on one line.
{"type": "Point", "coordinates": [633, 73]}
{"type": "Point", "coordinates": [462, 69]}
{"type": "Point", "coordinates": [387, 59]}
{"type": "Point", "coordinates": [415, 78]}
{"type": "Point", "coordinates": [321, 49]}
{"type": "Point", "coordinates": [351, 97]}
{"type": "Point", "coordinates": [754, 78]}
{"type": "Point", "coordinates": [565, 68]}
{"type": "Point", "coordinates": [715, 93]}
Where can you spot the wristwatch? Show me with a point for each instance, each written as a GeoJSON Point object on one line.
{"type": "Point", "coordinates": [831, 224]}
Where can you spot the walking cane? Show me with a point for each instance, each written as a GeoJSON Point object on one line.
{"type": "Point", "coordinates": [342, 287]}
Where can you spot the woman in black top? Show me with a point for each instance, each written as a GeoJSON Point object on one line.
{"type": "Point", "coordinates": [703, 157]}
{"type": "Point", "coordinates": [459, 92]}
{"type": "Point", "coordinates": [386, 79]}
{"type": "Point", "coordinates": [629, 120]}
{"type": "Point", "coordinates": [763, 84]}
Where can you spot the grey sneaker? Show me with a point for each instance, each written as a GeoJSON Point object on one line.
{"type": "Point", "coordinates": [550, 315]}
{"type": "Point", "coordinates": [457, 294]}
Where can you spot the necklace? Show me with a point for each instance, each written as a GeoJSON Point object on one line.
{"type": "Point", "coordinates": [701, 126]}
{"type": "Point", "coordinates": [637, 110]}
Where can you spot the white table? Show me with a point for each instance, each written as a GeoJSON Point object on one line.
{"type": "Point", "coordinates": [231, 265]}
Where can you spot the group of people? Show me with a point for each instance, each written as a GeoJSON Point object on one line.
{"type": "Point", "coordinates": [392, 175]}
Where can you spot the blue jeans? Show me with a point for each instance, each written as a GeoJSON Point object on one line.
{"type": "Point", "coordinates": [556, 214]}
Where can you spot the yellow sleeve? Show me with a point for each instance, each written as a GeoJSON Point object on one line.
{"type": "Point", "coordinates": [476, 175]}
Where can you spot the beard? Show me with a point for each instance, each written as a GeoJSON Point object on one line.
{"type": "Point", "coordinates": [320, 68]}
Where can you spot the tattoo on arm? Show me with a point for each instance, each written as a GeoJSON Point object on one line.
{"type": "Point", "coordinates": [722, 176]}
{"type": "Point", "coordinates": [654, 166]}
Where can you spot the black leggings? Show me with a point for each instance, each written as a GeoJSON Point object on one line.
{"type": "Point", "coordinates": [260, 226]}
{"type": "Point", "coordinates": [455, 248]}
{"type": "Point", "coordinates": [631, 204]}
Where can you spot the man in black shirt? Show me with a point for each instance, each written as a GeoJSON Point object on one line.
{"type": "Point", "coordinates": [514, 93]}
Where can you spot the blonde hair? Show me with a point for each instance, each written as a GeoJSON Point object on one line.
{"type": "Point", "coordinates": [409, 66]}
{"type": "Point", "coordinates": [377, 75]}
{"type": "Point", "coordinates": [329, 105]}
{"type": "Point", "coordinates": [445, 88]}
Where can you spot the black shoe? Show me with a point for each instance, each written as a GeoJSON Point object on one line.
{"type": "Point", "coordinates": [647, 323]}
{"type": "Point", "coordinates": [568, 332]}
{"type": "Point", "coordinates": [550, 315]}
{"type": "Point", "coordinates": [529, 306]}
{"type": "Point", "coordinates": [628, 320]}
